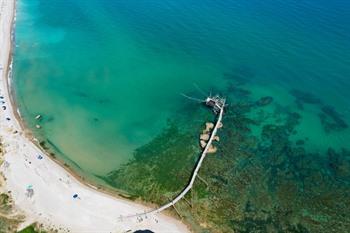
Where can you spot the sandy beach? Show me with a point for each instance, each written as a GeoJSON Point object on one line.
{"type": "Point", "coordinates": [51, 200]}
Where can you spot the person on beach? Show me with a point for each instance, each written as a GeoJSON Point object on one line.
{"type": "Point", "coordinates": [29, 191]}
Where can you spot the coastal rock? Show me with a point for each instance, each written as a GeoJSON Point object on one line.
{"type": "Point", "coordinates": [264, 101]}
{"type": "Point", "coordinates": [203, 143]}
{"type": "Point", "coordinates": [209, 126]}
{"type": "Point", "coordinates": [38, 126]}
{"type": "Point", "coordinates": [212, 149]}
{"type": "Point", "coordinates": [204, 137]}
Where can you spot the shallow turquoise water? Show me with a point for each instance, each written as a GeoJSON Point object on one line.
{"type": "Point", "coordinates": [106, 75]}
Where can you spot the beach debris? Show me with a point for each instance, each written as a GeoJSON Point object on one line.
{"type": "Point", "coordinates": [204, 137]}
{"type": "Point", "coordinates": [1, 97]}
{"type": "Point", "coordinates": [38, 126]}
{"type": "Point", "coordinates": [38, 117]}
{"type": "Point", "coordinates": [8, 118]}
{"type": "Point", "coordinates": [4, 107]}
{"type": "Point", "coordinates": [40, 157]}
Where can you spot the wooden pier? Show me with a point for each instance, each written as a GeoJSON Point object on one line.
{"type": "Point", "coordinates": [218, 105]}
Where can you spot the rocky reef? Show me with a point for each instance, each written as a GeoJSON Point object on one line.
{"type": "Point", "coordinates": [263, 182]}
{"type": "Point", "coordinates": [330, 119]}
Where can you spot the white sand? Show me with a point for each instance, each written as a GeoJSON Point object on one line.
{"type": "Point", "coordinates": [52, 202]}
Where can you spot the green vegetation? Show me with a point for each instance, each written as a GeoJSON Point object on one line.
{"type": "Point", "coordinates": [32, 229]}
{"type": "Point", "coordinates": [29, 229]}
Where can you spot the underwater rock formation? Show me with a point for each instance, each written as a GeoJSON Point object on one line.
{"type": "Point", "coordinates": [263, 101]}
{"type": "Point", "coordinates": [254, 183]}
{"type": "Point", "coordinates": [240, 74]}
{"type": "Point", "coordinates": [331, 120]}
{"type": "Point", "coordinates": [237, 91]}
{"type": "Point", "coordinates": [305, 97]}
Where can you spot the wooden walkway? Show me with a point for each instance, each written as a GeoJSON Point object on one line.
{"type": "Point", "coordinates": [194, 175]}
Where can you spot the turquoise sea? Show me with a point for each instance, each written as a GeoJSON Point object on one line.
{"type": "Point", "coordinates": [107, 78]}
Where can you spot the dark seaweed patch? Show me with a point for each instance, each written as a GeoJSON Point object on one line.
{"type": "Point", "coordinates": [237, 91]}
{"type": "Point", "coordinates": [331, 120]}
{"type": "Point", "coordinates": [240, 75]}
{"type": "Point", "coordinates": [305, 97]}
{"type": "Point", "coordinates": [255, 183]}
{"type": "Point", "coordinates": [263, 101]}
{"type": "Point", "coordinates": [156, 166]}
{"type": "Point", "coordinates": [302, 97]}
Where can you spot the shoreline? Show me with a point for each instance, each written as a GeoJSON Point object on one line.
{"type": "Point", "coordinates": [118, 194]}
{"type": "Point", "coordinates": [27, 133]}
{"type": "Point", "coordinates": [103, 207]}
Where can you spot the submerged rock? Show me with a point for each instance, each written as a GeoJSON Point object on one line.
{"type": "Point", "coordinates": [300, 142]}
{"type": "Point", "coordinates": [339, 164]}
{"type": "Point", "coordinates": [264, 101]}
{"type": "Point", "coordinates": [336, 117]}
{"type": "Point", "coordinates": [239, 92]}
{"type": "Point", "coordinates": [304, 97]}
{"type": "Point", "coordinates": [331, 120]}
